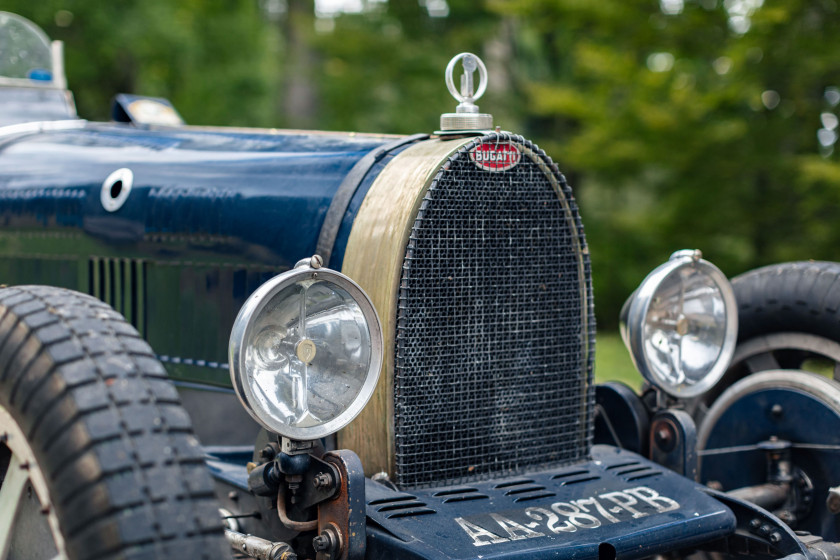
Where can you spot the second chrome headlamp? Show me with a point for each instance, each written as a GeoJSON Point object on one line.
{"type": "Point", "coordinates": [681, 325]}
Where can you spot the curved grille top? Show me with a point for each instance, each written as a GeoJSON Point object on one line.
{"type": "Point", "coordinates": [495, 326]}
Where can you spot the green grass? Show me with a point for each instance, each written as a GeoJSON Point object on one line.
{"type": "Point", "coordinates": [612, 361]}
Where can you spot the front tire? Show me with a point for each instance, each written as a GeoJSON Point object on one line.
{"type": "Point", "coordinates": [96, 452]}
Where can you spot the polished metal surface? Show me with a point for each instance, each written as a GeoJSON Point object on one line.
{"type": "Point", "coordinates": [261, 549]}
{"type": "Point", "coordinates": [285, 408]}
{"type": "Point", "coordinates": [681, 325]}
{"type": "Point", "coordinates": [466, 115]}
{"type": "Point", "coordinates": [29, 527]}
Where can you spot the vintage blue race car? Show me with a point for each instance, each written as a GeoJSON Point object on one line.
{"type": "Point", "coordinates": [284, 344]}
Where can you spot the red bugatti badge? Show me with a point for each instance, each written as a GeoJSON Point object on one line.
{"type": "Point", "coordinates": [494, 156]}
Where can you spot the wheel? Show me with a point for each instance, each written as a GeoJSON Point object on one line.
{"type": "Point", "coordinates": [788, 318]}
{"type": "Point", "coordinates": [97, 457]}
{"type": "Point", "coordinates": [762, 414]}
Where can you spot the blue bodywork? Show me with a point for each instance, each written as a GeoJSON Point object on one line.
{"type": "Point", "coordinates": [176, 226]}
{"type": "Point", "coordinates": [199, 184]}
{"type": "Point", "coordinates": [751, 419]}
{"type": "Point", "coordinates": [429, 523]}
{"type": "Point", "coordinates": [212, 214]}
{"type": "Point", "coordinates": [533, 516]}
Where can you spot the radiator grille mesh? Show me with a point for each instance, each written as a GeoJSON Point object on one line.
{"type": "Point", "coordinates": [495, 329]}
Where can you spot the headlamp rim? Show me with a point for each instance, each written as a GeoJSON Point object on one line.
{"type": "Point", "coordinates": [637, 310]}
{"type": "Point", "coordinates": [243, 329]}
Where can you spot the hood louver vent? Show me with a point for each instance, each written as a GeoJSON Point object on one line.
{"type": "Point", "coordinates": [121, 283]}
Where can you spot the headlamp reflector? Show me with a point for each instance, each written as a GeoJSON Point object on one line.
{"type": "Point", "coordinates": [681, 325]}
{"type": "Point", "coordinates": [306, 350]}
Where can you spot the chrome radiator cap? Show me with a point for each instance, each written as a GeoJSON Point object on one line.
{"type": "Point", "coordinates": [466, 116]}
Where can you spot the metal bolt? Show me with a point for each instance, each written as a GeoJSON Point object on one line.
{"type": "Point", "coordinates": [282, 551]}
{"type": "Point", "coordinates": [317, 261]}
{"type": "Point", "coordinates": [775, 537]}
{"type": "Point", "coordinates": [777, 411]}
{"type": "Point", "coordinates": [664, 436]}
{"type": "Point", "coordinates": [765, 530]}
{"type": "Point", "coordinates": [268, 453]}
{"type": "Point", "coordinates": [328, 541]}
{"type": "Point", "coordinates": [833, 500]}
{"type": "Point", "coordinates": [322, 480]}
{"type": "Point", "coordinates": [321, 543]}
{"type": "Point", "coordinates": [755, 524]}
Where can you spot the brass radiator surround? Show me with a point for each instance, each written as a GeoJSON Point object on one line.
{"type": "Point", "coordinates": [376, 258]}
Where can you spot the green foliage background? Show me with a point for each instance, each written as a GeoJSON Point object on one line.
{"type": "Point", "coordinates": [680, 123]}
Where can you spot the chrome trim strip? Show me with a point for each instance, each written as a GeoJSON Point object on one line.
{"type": "Point", "coordinates": [41, 126]}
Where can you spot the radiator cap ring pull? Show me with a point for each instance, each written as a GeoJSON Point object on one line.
{"type": "Point", "coordinates": [466, 116]}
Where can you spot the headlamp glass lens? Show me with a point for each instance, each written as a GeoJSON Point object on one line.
{"type": "Point", "coordinates": [309, 353]}
{"type": "Point", "coordinates": [685, 328]}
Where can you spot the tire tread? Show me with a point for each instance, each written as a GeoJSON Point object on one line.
{"type": "Point", "coordinates": [126, 474]}
{"type": "Point", "coordinates": [795, 296]}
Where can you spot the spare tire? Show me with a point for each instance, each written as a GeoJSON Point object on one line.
{"type": "Point", "coordinates": [789, 297]}
{"type": "Point", "coordinates": [97, 457]}
{"type": "Point", "coordinates": [788, 318]}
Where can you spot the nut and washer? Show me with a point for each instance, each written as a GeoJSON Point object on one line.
{"type": "Point", "coordinates": [329, 541]}
{"type": "Point", "coordinates": [322, 480]}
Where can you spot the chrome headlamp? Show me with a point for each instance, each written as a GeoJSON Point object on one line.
{"type": "Point", "coordinates": [305, 352]}
{"type": "Point", "coordinates": [681, 325]}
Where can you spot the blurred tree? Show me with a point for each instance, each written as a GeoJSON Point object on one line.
{"type": "Point", "coordinates": [383, 67]}
{"type": "Point", "coordinates": [298, 101]}
{"type": "Point", "coordinates": [687, 124]}
{"type": "Point", "coordinates": [681, 123]}
{"type": "Point", "coordinates": [214, 59]}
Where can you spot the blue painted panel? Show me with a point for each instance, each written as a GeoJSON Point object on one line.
{"type": "Point", "coordinates": [263, 193]}
{"type": "Point", "coordinates": [801, 419]}
{"type": "Point", "coordinates": [212, 214]}
{"type": "Point", "coordinates": [619, 500]}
